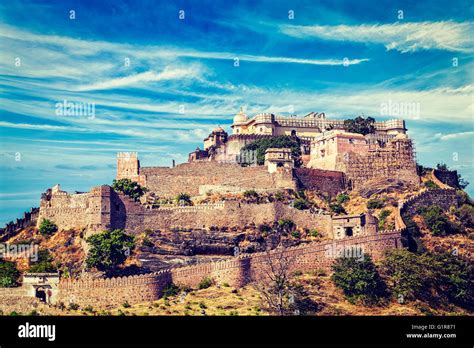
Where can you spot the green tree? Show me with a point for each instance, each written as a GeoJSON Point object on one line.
{"type": "Point", "coordinates": [384, 214]}
{"type": "Point", "coordinates": [442, 166]}
{"type": "Point", "coordinates": [337, 208]}
{"type": "Point", "coordinates": [205, 283]}
{"type": "Point", "coordinates": [129, 188]}
{"type": "Point", "coordinates": [437, 221]}
{"type": "Point", "coordinates": [282, 141]}
{"type": "Point", "coordinates": [8, 274]}
{"type": "Point", "coordinates": [358, 279]}
{"type": "Point", "coordinates": [250, 194]}
{"type": "Point", "coordinates": [375, 204]}
{"type": "Point", "coordinates": [462, 183]}
{"type": "Point", "coordinates": [286, 225]}
{"type": "Point", "coordinates": [183, 199]}
{"type": "Point", "coordinates": [453, 278]}
{"type": "Point", "coordinates": [44, 263]}
{"type": "Point", "coordinates": [300, 204]}
{"type": "Point", "coordinates": [360, 125]}
{"type": "Point", "coordinates": [109, 249]}
{"type": "Point", "coordinates": [466, 215]}
{"type": "Point", "coordinates": [342, 198]}
{"type": "Point", "coordinates": [47, 227]}
{"type": "Point", "coordinates": [407, 274]}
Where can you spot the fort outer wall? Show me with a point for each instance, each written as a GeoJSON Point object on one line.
{"type": "Point", "coordinates": [90, 210]}
{"type": "Point", "coordinates": [444, 198]}
{"type": "Point", "coordinates": [236, 272]}
{"type": "Point", "coordinates": [135, 218]}
{"type": "Point", "coordinates": [102, 208]}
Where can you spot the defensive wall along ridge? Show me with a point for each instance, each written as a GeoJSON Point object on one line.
{"type": "Point", "coordinates": [102, 208]}
{"type": "Point", "coordinates": [236, 272]}
{"type": "Point", "coordinates": [245, 269]}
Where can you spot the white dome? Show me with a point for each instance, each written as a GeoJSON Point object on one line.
{"type": "Point", "coordinates": [240, 117]}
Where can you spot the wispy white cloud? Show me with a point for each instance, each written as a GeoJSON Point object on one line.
{"type": "Point", "coordinates": [53, 47]}
{"type": "Point", "coordinates": [404, 37]}
{"type": "Point", "coordinates": [45, 127]}
{"type": "Point", "coordinates": [148, 76]}
{"type": "Point", "coordinates": [455, 136]}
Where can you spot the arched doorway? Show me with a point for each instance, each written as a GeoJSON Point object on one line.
{"type": "Point", "coordinates": [40, 293]}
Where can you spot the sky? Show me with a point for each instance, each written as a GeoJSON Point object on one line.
{"type": "Point", "coordinates": [157, 76]}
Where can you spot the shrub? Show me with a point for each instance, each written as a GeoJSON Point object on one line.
{"type": "Point", "coordinates": [384, 214]}
{"type": "Point", "coordinates": [360, 125]}
{"type": "Point", "coordinates": [109, 249]}
{"type": "Point", "coordinates": [342, 198]}
{"type": "Point", "coordinates": [126, 304]}
{"type": "Point", "coordinates": [206, 283]}
{"type": "Point", "coordinates": [183, 199]}
{"type": "Point", "coordinates": [73, 306]}
{"type": "Point", "coordinates": [279, 196]}
{"type": "Point", "coordinates": [44, 264]}
{"type": "Point", "coordinates": [337, 208]}
{"type": "Point", "coordinates": [170, 290]}
{"type": "Point", "coordinates": [314, 233]}
{"type": "Point", "coordinates": [89, 309]}
{"type": "Point", "coordinates": [466, 215]}
{"type": "Point", "coordinates": [147, 242]}
{"type": "Point", "coordinates": [47, 227]}
{"type": "Point", "coordinates": [453, 277]}
{"type": "Point", "coordinates": [358, 279]}
{"type": "Point", "coordinates": [430, 184]}
{"type": "Point", "coordinates": [250, 194]}
{"type": "Point", "coordinates": [128, 187]}
{"type": "Point", "coordinates": [407, 274]}
{"type": "Point", "coordinates": [8, 274]}
{"type": "Point", "coordinates": [286, 225]}
{"type": "Point", "coordinates": [295, 234]}
{"type": "Point", "coordinates": [437, 221]}
{"type": "Point", "coordinates": [429, 275]}
{"type": "Point", "coordinates": [375, 204]}
{"type": "Point", "coordinates": [264, 228]}
{"type": "Point", "coordinates": [282, 141]}
{"type": "Point", "coordinates": [300, 204]}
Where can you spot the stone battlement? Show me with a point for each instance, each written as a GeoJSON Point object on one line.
{"type": "Point", "coordinates": [237, 271]}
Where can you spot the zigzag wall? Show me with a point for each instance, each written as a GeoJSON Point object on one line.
{"type": "Point", "coordinates": [237, 272]}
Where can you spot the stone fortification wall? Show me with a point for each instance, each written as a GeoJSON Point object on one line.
{"type": "Point", "coordinates": [443, 198]}
{"type": "Point", "coordinates": [103, 208]}
{"type": "Point", "coordinates": [327, 181]}
{"type": "Point", "coordinates": [135, 218]}
{"type": "Point", "coordinates": [237, 272]}
{"type": "Point", "coordinates": [447, 177]}
{"type": "Point", "coordinates": [29, 219]}
{"type": "Point", "coordinates": [188, 177]}
{"type": "Point", "coordinates": [90, 210]}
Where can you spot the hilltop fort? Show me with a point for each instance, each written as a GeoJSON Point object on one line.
{"type": "Point", "coordinates": [233, 198]}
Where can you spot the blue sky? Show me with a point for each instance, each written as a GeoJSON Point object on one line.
{"type": "Point", "coordinates": [342, 58]}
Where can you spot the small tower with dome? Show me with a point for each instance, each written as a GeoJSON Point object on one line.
{"type": "Point", "coordinates": [217, 137]}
